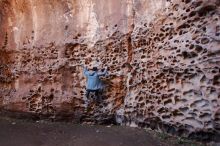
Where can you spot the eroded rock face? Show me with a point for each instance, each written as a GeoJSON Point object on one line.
{"type": "Point", "coordinates": [163, 59]}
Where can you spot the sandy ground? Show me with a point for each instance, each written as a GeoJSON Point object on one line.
{"type": "Point", "coordinates": [41, 133]}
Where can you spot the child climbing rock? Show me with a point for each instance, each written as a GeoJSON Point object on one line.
{"type": "Point", "coordinates": [94, 83]}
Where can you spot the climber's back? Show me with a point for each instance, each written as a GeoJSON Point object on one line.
{"type": "Point", "coordinates": [93, 80]}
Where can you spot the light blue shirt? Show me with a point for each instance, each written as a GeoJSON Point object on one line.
{"type": "Point", "coordinates": [93, 80]}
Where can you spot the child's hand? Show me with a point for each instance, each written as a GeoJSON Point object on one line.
{"type": "Point", "coordinates": [82, 63]}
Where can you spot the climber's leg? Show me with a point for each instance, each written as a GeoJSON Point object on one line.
{"type": "Point", "coordinates": [97, 95]}
{"type": "Point", "coordinates": [87, 93]}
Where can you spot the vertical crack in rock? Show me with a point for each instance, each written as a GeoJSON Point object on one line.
{"type": "Point", "coordinates": [130, 51]}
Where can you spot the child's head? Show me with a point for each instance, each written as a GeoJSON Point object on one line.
{"type": "Point", "coordinates": [94, 68]}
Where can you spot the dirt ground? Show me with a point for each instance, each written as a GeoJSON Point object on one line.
{"type": "Point", "coordinates": [42, 133]}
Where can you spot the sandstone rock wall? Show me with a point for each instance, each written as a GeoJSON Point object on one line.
{"type": "Point", "coordinates": [163, 60]}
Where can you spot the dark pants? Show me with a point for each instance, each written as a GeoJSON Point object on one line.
{"type": "Point", "coordinates": [88, 91]}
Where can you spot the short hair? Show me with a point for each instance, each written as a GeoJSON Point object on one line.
{"type": "Point", "coordinates": [94, 68]}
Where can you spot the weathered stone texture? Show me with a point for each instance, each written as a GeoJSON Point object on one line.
{"type": "Point", "coordinates": [163, 59]}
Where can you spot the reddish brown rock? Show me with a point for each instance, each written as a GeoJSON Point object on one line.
{"type": "Point", "coordinates": [163, 60]}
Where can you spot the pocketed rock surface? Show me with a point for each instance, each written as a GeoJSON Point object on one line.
{"type": "Point", "coordinates": [163, 59]}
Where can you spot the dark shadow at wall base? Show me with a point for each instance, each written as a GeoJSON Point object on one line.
{"type": "Point", "coordinates": [36, 117]}
{"type": "Point", "coordinates": [60, 117]}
